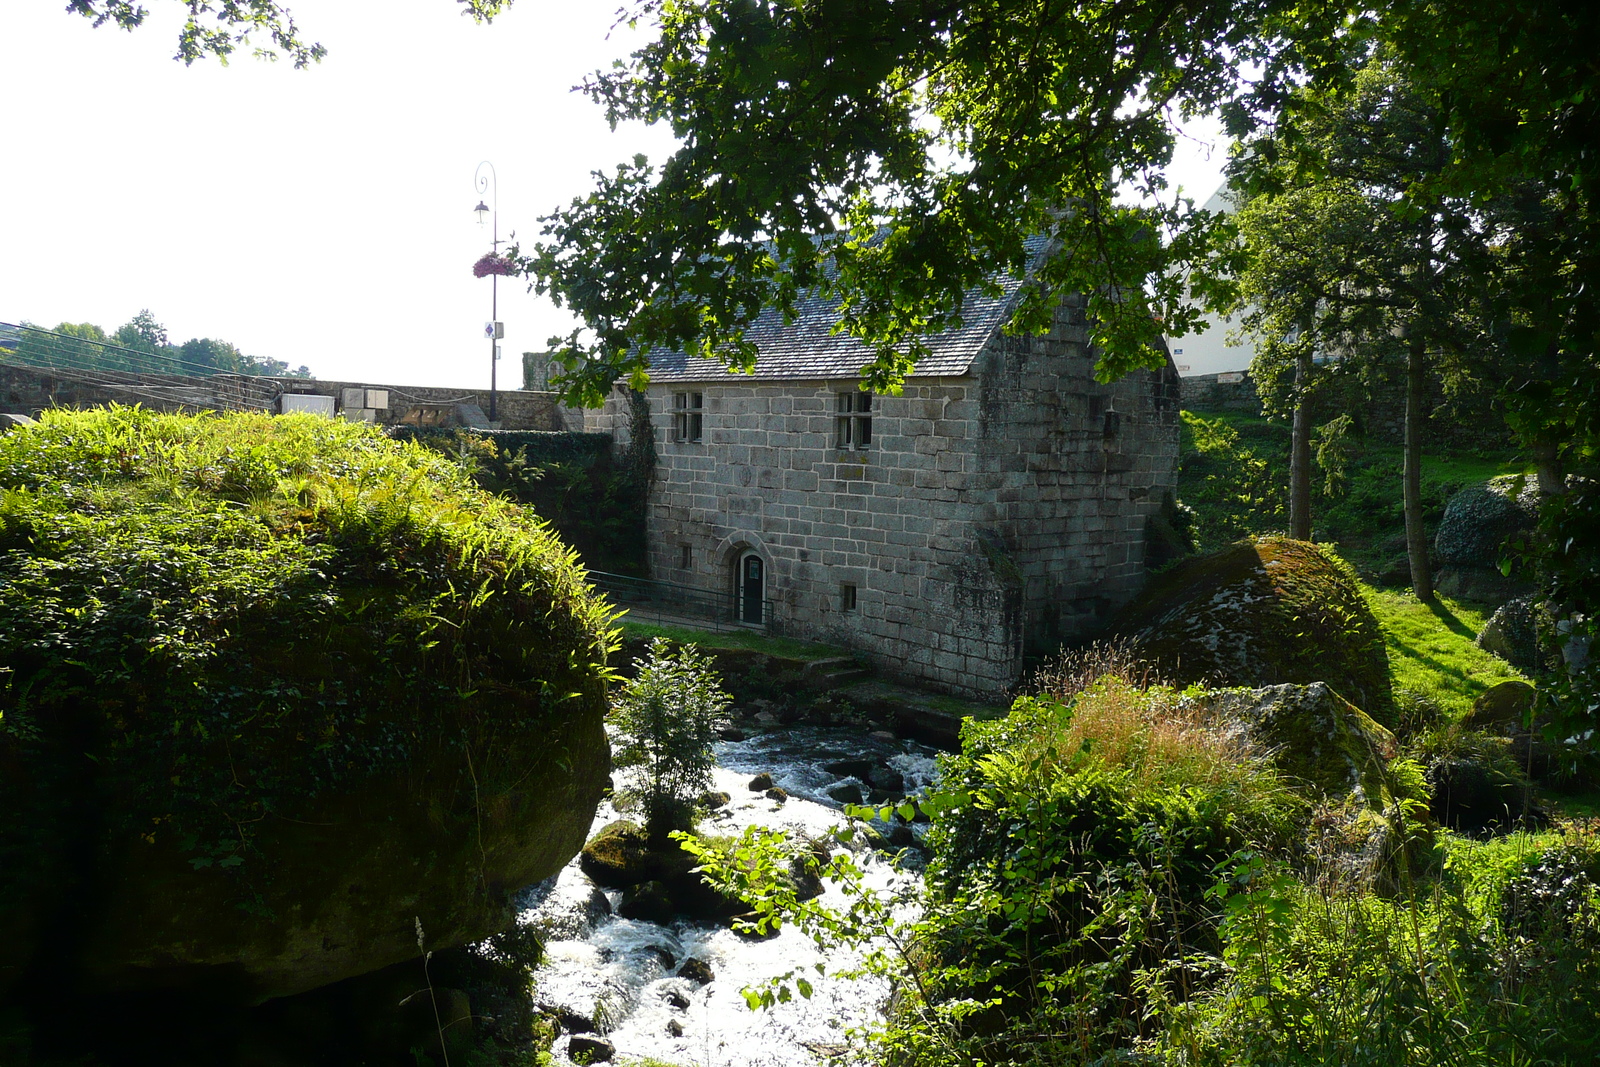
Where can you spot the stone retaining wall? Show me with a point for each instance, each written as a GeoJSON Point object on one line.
{"type": "Point", "coordinates": [29, 390]}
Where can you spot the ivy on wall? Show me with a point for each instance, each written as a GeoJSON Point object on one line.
{"type": "Point", "coordinates": [592, 497]}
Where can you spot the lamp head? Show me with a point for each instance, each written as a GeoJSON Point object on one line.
{"type": "Point", "coordinates": [483, 212]}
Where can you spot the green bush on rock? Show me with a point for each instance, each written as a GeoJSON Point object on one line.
{"type": "Point", "coordinates": [277, 687]}
{"type": "Point", "coordinates": [1263, 611]}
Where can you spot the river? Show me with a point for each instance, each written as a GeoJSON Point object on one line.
{"type": "Point", "coordinates": [619, 973]}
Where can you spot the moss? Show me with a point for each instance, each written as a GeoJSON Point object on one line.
{"type": "Point", "coordinates": [1318, 739]}
{"type": "Point", "coordinates": [1501, 707]}
{"type": "Point", "coordinates": [619, 856]}
{"type": "Point", "coordinates": [1263, 611]}
{"type": "Point", "coordinates": [325, 684]}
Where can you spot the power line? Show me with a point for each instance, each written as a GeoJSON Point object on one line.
{"type": "Point", "coordinates": [80, 359]}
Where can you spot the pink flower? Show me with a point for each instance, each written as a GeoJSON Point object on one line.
{"type": "Point", "coordinates": [490, 263]}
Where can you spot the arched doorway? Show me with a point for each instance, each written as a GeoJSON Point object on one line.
{"type": "Point", "coordinates": [752, 589]}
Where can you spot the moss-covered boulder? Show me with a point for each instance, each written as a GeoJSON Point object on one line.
{"type": "Point", "coordinates": [280, 698]}
{"type": "Point", "coordinates": [1320, 741]}
{"type": "Point", "coordinates": [1519, 632]}
{"type": "Point", "coordinates": [1263, 611]}
{"type": "Point", "coordinates": [1479, 519]}
{"type": "Point", "coordinates": [1478, 524]}
{"type": "Point", "coordinates": [620, 857]}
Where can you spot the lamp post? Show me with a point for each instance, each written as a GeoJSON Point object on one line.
{"type": "Point", "coordinates": [490, 183]}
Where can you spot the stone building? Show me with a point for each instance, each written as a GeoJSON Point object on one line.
{"type": "Point", "coordinates": [1000, 502]}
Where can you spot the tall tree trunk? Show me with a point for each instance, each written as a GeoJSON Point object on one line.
{"type": "Point", "coordinates": [1416, 538]}
{"type": "Point", "coordinates": [1300, 450]}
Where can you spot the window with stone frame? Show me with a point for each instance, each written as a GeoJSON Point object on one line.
{"type": "Point", "coordinates": [847, 596]}
{"type": "Point", "coordinates": [853, 426]}
{"type": "Point", "coordinates": [688, 416]}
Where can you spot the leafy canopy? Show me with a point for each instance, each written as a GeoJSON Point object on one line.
{"type": "Point", "coordinates": [219, 27]}
{"type": "Point", "coordinates": [895, 156]}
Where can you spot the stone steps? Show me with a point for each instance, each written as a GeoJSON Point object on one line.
{"type": "Point", "coordinates": [835, 671]}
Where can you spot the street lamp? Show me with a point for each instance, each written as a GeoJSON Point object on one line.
{"type": "Point", "coordinates": [490, 183]}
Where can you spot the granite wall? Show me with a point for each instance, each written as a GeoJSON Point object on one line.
{"type": "Point", "coordinates": [991, 510]}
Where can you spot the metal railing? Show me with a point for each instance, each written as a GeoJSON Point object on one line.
{"type": "Point", "coordinates": [669, 603]}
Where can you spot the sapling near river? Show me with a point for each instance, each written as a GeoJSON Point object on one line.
{"type": "Point", "coordinates": [668, 716]}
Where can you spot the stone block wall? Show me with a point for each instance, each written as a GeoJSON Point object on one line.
{"type": "Point", "coordinates": [29, 390]}
{"type": "Point", "coordinates": [891, 520]}
{"type": "Point", "coordinates": [992, 506]}
{"type": "Point", "coordinates": [1070, 471]}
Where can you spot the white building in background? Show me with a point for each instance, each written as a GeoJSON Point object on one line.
{"type": "Point", "coordinates": [1210, 352]}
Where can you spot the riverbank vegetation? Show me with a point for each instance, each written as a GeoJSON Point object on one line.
{"type": "Point", "coordinates": [1118, 875]}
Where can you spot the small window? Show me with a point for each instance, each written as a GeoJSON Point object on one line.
{"type": "Point", "coordinates": [685, 557]}
{"type": "Point", "coordinates": [854, 424]}
{"type": "Point", "coordinates": [687, 416]}
{"type": "Point", "coordinates": [847, 597]}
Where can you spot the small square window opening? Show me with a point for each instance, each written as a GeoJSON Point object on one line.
{"type": "Point", "coordinates": [854, 421]}
{"type": "Point", "coordinates": [685, 557]}
{"type": "Point", "coordinates": [688, 416]}
{"type": "Point", "coordinates": [847, 597]}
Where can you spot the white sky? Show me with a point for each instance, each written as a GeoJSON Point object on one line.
{"type": "Point", "coordinates": [321, 216]}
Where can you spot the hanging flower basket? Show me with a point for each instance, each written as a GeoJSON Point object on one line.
{"type": "Point", "coordinates": [489, 264]}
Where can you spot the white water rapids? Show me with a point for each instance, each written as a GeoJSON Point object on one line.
{"type": "Point", "coordinates": [616, 971]}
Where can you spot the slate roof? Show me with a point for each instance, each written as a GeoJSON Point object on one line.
{"type": "Point", "coordinates": [807, 349]}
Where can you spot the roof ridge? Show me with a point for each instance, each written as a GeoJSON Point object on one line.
{"type": "Point", "coordinates": [809, 348]}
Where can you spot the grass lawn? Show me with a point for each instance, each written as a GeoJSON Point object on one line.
{"type": "Point", "coordinates": [1431, 650]}
{"type": "Point", "coordinates": [785, 647]}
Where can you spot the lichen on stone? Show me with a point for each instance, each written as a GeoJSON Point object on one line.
{"type": "Point", "coordinates": [1263, 611]}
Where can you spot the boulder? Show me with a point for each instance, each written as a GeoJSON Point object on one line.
{"type": "Point", "coordinates": [1502, 708]}
{"type": "Point", "coordinates": [581, 1048]}
{"type": "Point", "coordinates": [1263, 611]}
{"type": "Point", "coordinates": [1486, 585]}
{"type": "Point", "coordinates": [1317, 738]}
{"type": "Point", "coordinates": [1512, 633]}
{"type": "Point", "coordinates": [887, 778]}
{"type": "Point", "coordinates": [761, 783]}
{"type": "Point", "coordinates": [649, 902]}
{"type": "Point", "coordinates": [256, 629]}
{"type": "Point", "coordinates": [846, 794]}
{"type": "Point", "coordinates": [1472, 536]}
{"type": "Point", "coordinates": [620, 857]}
{"type": "Point", "coordinates": [852, 768]}
{"type": "Point", "coordinates": [1503, 711]}
{"type": "Point", "coordinates": [1472, 797]}
{"type": "Point", "coordinates": [1478, 519]}
{"type": "Point", "coordinates": [697, 971]}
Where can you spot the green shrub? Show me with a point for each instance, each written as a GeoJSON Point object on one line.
{"type": "Point", "coordinates": [1496, 963]}
{"type": "Point", "coordinates": [571, 480]}
{"type": "Point", "coordinates": [668, 715]}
